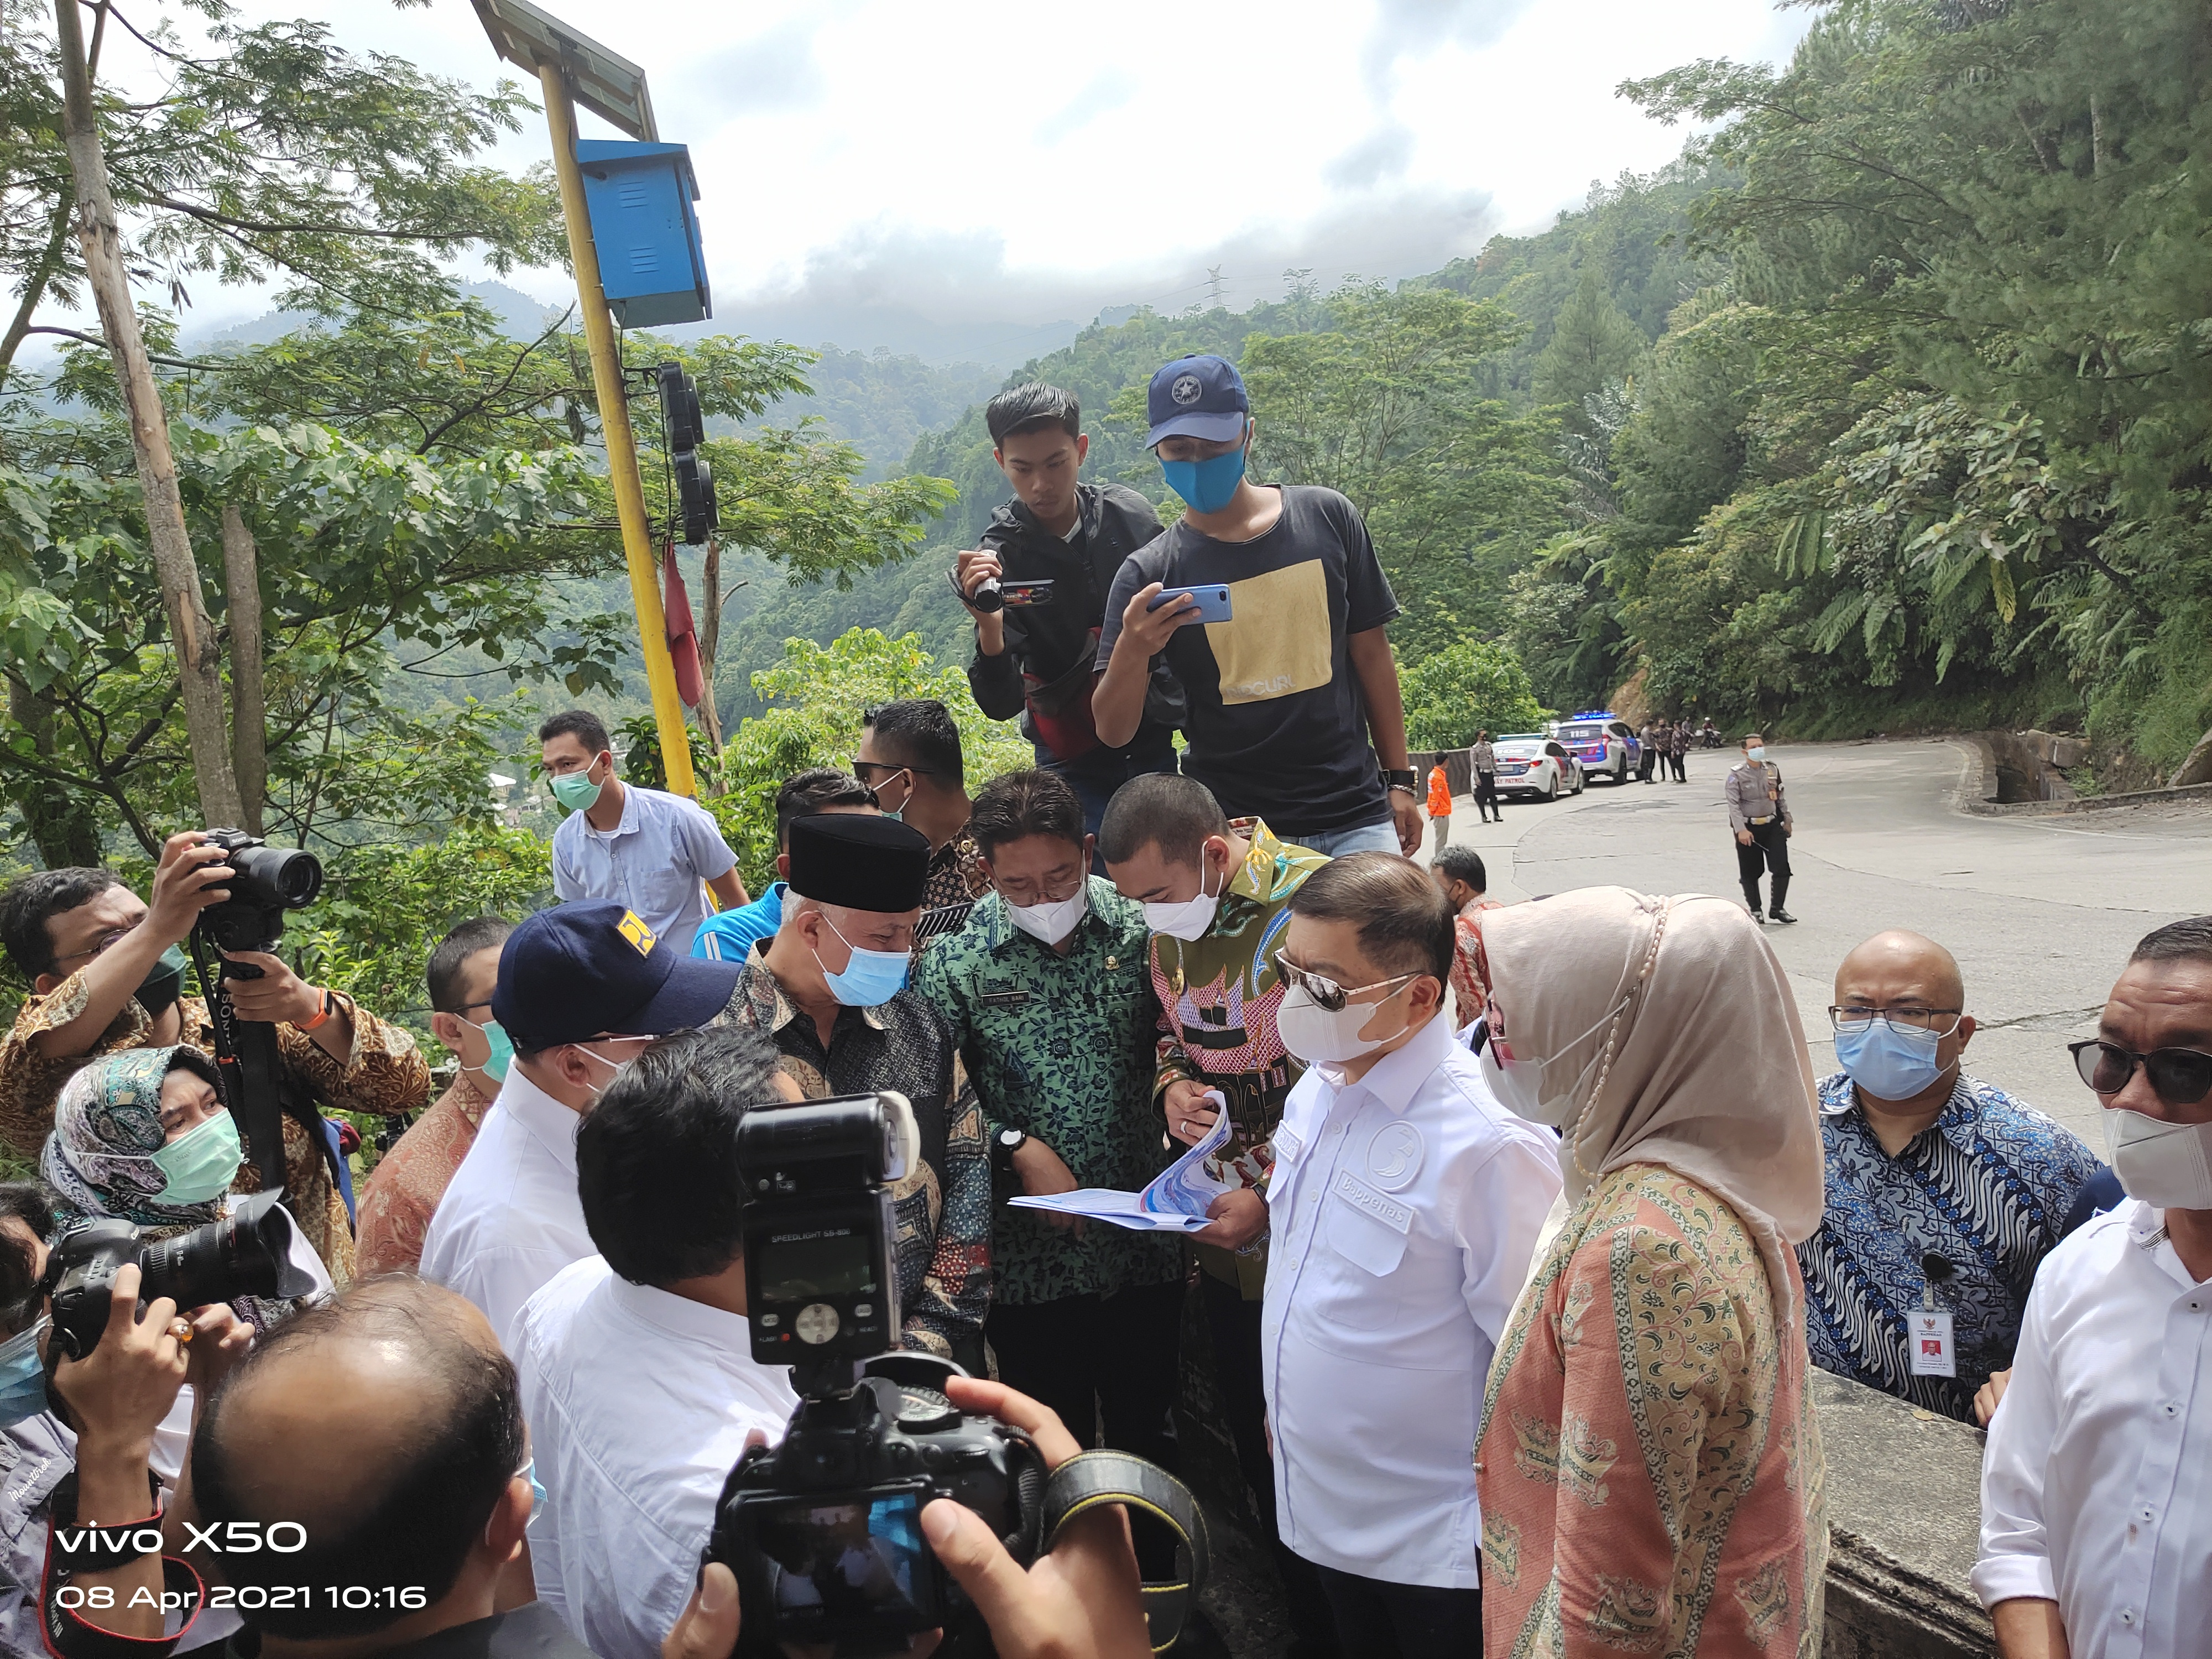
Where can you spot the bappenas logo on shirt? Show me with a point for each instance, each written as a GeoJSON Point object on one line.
{"type": "Point", "coordinates": [634, 930]}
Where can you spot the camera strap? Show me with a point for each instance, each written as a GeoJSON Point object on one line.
{"type": "Point", "coordinates": [71, 1549]}
{"type": "Point", "coordinates": [1091, 1479]}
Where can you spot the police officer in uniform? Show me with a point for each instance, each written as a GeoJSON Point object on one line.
{"type": "Point", "coordinates": [1759, 813]}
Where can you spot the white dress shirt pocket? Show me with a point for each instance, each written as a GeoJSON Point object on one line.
{"type": "Point", "coordinates": [1360, 1251]}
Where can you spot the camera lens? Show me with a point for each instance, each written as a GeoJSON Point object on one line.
{"type": "Point", "coordinates": [247, 1253]}
{"type": "Point", "coordinates": [986, 598]}
{"type": "Point", "coordinates": [290, 876]}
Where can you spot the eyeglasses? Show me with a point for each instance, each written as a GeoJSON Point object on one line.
{"type": "Point", "coordinates": [92, 950]}
{"type": "Point", "coordinates": [1327, 992]}
{"type": "Point", "coordinates": [1854, 1021]}
{"type": "Point", "coordinates": [2179, 1077]}
{"type": "Point", "coordinates": [863, 769]}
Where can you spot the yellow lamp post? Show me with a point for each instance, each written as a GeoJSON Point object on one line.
{"type": "Point", "coordinates": [573, 69]}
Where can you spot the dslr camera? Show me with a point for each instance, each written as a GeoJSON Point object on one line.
{"type": "Point", "coordinates": [247, 1253]}
{"type": "Point", "coordinates": [823, 1532]}
{"type": "Point", "coordinates": [265, 882]}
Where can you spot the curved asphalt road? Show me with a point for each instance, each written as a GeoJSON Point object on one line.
{"type": "Point", "coordinates": [2041, 912]}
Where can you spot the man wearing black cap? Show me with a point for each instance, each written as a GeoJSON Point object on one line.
{"type": "Point", "coordinates": [1294, 714]}
{"type": "Point", "coordinates": [583, 988]}
{"type": "Point", "coordinates": [830, 989]}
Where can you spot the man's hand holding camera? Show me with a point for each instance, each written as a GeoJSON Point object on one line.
{"type": "Point", "coordinates": [1080, 1601]}
{"type": "Point", "coordinates": [970, 571]}
{"type": "Point", "coordinates": [281, 997]}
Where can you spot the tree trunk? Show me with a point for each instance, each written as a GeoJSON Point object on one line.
{"type": "Point", "coordinates": [62, 824]}
{"type": "Point", "coordinates": [249, 731]}
{"type": "Point", "coordinates": [710, 638]}
{"type": "Point", "coordinates": [199, 667]}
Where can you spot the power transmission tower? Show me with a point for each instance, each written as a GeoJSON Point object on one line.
{"type": "Point", "coordinates": [1213, 288]}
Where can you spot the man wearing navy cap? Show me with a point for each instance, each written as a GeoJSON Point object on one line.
{"type": "Point", "coordinates": [830, 989]}
{"type": "Point", "coordinates": [583, 990]}
{"type": "Point", "coordinates": [1294, 715]}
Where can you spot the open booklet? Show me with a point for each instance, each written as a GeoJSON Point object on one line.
{"type": "Point", "coordinates": [1175, 1202]}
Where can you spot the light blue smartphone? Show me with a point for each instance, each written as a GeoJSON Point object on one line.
{"type": "Point", "coordinates": [1212, 603]}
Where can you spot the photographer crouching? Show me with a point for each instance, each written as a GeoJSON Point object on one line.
{"type": "Point", "coordinates": [79, 1443]}
{"type": "Point", "coordinates": [107, 972]}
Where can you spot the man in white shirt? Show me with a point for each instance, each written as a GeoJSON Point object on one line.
{"type": "Point", "coordinates": [2096, 1521]}
{"type": "Point", "coordinates": [1404, 1208]}
{"type": "Point", "coordinates": [583, 988]}
{"type": "Point", "coordinates": [637, 1373]}
{"type": "Point", "coordinates": [652, 850]}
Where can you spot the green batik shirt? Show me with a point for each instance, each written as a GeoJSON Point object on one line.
{"type": "Point", "coordinates": [1218, 996]}
{"type": "Point", "coordinates": [1061, 1047]}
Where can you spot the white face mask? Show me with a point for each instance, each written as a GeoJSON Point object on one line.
{"type": "Point", "coordinates": [2167, 1165]}
{"type": "Point", "coordinates": [1318, 1034]}
{"type": "Point", "coordinates": [1189, 919]}
{"type": "Point", "coordinates": [1518, 1083]}
{"type": "Point", "coordinates": [1055, 920]}
{"type": "Point", "coordinates": [615, 1067]}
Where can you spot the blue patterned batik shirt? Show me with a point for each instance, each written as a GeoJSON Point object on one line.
{"type": "Point", "coordinates": [1988, 1187]}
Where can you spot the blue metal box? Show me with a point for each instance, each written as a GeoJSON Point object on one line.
{"type": "Point", "coordinates": [639, 200]}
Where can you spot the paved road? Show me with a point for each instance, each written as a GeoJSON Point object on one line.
{"type": "Point", "coordinates": [2041, 912]}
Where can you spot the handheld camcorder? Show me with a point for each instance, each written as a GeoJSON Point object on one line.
{"type": "Point", "coordinates": [823, 1532]}
{"type": "Point", "coordinates": [994, 594]}
{"type": "Point", "coordinates": [247, 1253]}
{"type": "Point", "coordinates": [265, 882]}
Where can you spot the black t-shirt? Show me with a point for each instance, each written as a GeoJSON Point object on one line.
{"type": "Point", "coordinates": [533, 1631]}
{"type": "Point", "coordinates": [1277, 726]}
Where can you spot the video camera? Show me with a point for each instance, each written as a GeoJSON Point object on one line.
{"type": "Point", "coordinates": [823, 1532]}
{"type": "Point", "coordinates": [246, 1253]}
{"type": "Point", "coordinates": [265, 883]}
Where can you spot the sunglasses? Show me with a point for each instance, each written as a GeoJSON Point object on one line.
{"type": "Point", "coordinates": [1327, 992]}
{"type": "Point", "coordinates": [2179, 1077]}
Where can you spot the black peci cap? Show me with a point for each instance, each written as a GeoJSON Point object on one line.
{"type": "Point", "coordinates": [857, 861]}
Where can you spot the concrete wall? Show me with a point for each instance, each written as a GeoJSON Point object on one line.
{"type": "Point", "coordinates": [1904, 1509]}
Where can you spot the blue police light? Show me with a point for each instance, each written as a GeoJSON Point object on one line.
{"type": "Point", "coordinates": [639, 198]}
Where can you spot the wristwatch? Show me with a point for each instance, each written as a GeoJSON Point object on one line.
{"type": "Point", "coordinates": [1004, 1143]}
{"type": "Point", "coordinates": [1409, 780]}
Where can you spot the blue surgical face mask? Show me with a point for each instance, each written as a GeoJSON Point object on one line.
{"type": "Point", "coordinates": [201, 1162]}
{"type": "Point", "coordinates": [22, 1377]}
{"type": "Point", "coordinates": [501, 1047]}
{"type": "Point", "coordinates": [1888, 1063]}
{"type": "Point", "coordinates": [1756, 752]}
{"type": "Point", "coordinates": [871, 978]}
{"type": "Point", "coordinates": [1209, 485]}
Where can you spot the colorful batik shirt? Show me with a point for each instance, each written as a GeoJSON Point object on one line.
{"type": "Point", "coordinates": [954, 881]}
{"type": "Point", "coordinates": [1061, 1047]}
{"type": "Point", "coordinates": [942, 1208]}
{"type": "Point", "coordinates": [384, 1074]}
{"type": "Point", "coordinates": [1987, 1187]}
{"type": "Point", "coordinates": [1648, 1468]}
{"type": "Point", "coordinates": [1217, 997]}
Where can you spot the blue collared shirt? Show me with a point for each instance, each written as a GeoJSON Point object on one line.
{"type": "Point", "coordinates": [731, 936]}
{"type": "Point", "coordinates": [1989, 1187]}
{"type": "Point", "coordinates": [655, 860]}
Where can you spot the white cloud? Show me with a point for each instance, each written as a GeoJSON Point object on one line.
{"type": "Point", "coordinates": [999, 163]}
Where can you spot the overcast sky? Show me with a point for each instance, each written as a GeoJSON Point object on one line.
{"type": "Point", "coordinates": [948, 177]}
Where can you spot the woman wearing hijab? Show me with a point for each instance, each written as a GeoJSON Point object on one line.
{"type": "Point", "coordinates": [140, 1135]}
{"type": "Point", "coordinates": [1648, 1469]}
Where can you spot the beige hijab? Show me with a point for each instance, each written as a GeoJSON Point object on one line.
{"type": "Point", "coordinates": [1672, 1026]}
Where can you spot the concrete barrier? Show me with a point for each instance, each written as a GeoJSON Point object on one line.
{"type": "Point", "coordinates": [1905, 1510]}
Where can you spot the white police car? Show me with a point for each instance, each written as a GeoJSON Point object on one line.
{"type": "Point", "coordinates": [1531, 763]}
{"type": "Point", "coordinates": [1604, 743]}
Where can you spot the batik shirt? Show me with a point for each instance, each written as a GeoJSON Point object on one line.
{"type": "Point", "coordinates": [1061, 1047]}
{"type": "Point", "coordinates": [942, 1208]}
{"type": "Point", "coordinates": [1218, 998]}
{"type": "Point", "coordinates": [1987, 1187]}
{"type": "Point", "coordinates": [1649, 1467]}
{"type": "Point", "coordinates": [404, 1188]}
{"type": "Point", "coordinates": [955, 880]}
{"type": "Point", "coordinates": [384, 1074]}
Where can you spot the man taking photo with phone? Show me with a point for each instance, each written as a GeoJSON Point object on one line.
{"type": "Point", "coordinates": [1036, 588]}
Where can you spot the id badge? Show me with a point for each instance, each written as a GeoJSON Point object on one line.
{"type": "Point", "coordinates": [1930, 1333]}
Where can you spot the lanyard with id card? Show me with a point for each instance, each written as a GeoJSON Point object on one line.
{"type": "Point", "coordinates": [1928, 1331]}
